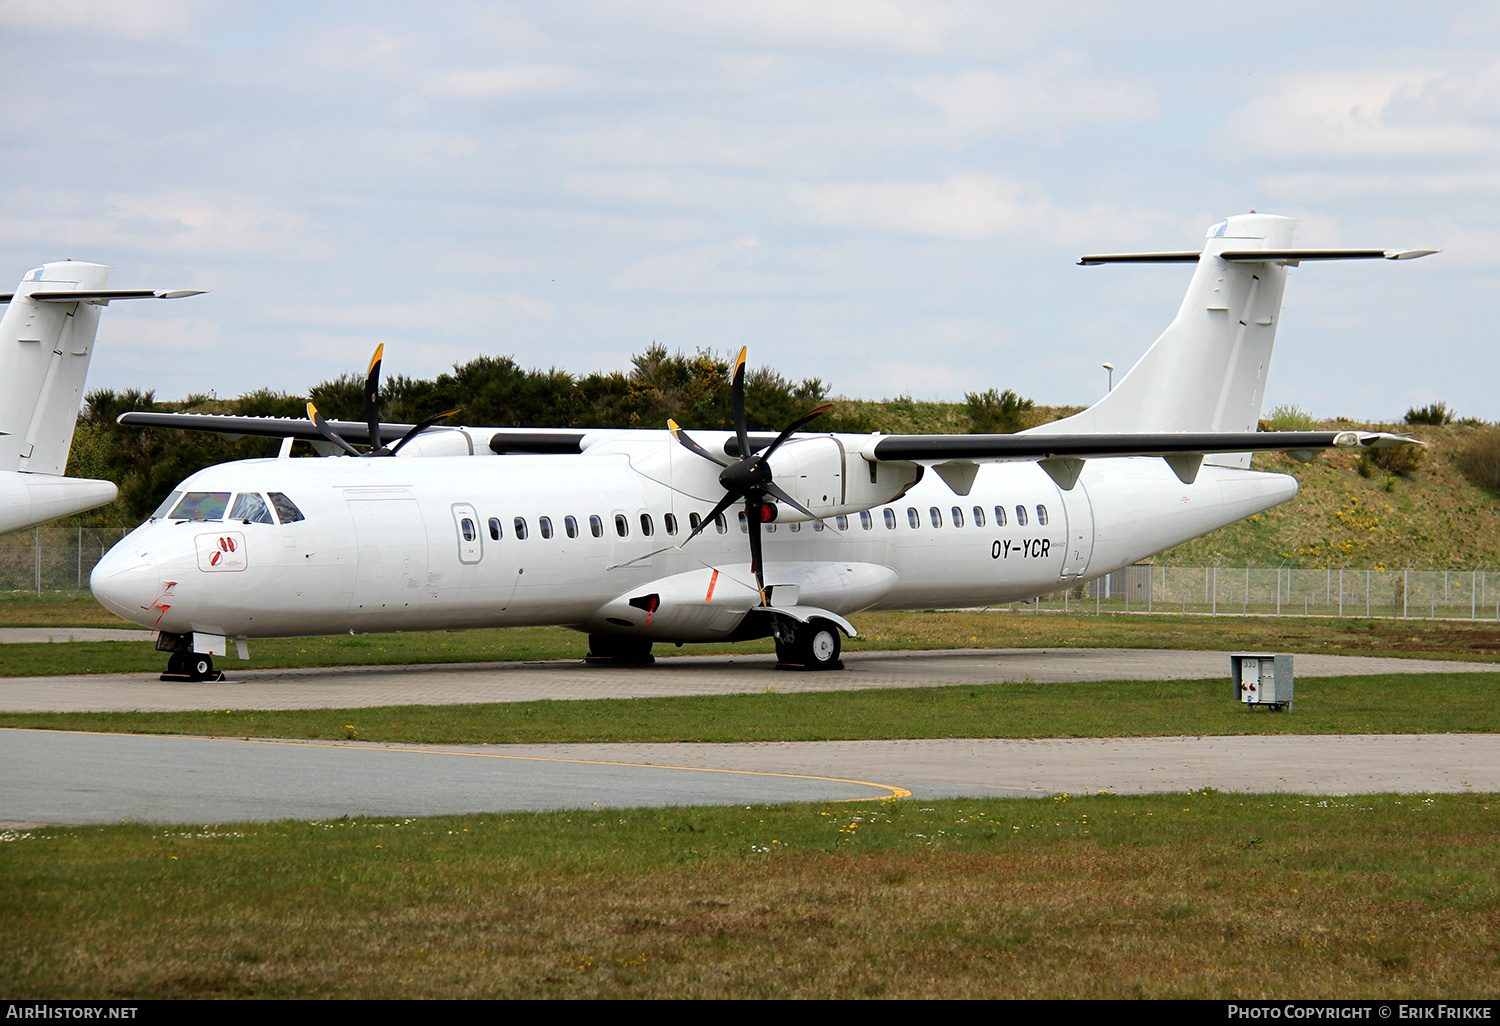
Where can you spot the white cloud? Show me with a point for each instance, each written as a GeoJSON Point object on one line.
{"type": "Point", "coordinates": [138, 19]}
{"type": "Point", "coordinates": [963, 207]}
{"type": "Point", "coordinates": [1380, 115]}
{"type": "Point", "coordinates": [1045, 97]}
{"type": "Point", "coordinates": [504, 81]}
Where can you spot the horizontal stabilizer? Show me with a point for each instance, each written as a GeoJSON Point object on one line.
{"type": "Point", "coordinates": [103, 296]}
{"type": "Point", "coordinates": [1257, 256]}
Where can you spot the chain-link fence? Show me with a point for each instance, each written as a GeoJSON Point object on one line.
{"type": "Point", "coordinates": [1285, 591]}
{"type": "Point", "coordinates": [53, 558]}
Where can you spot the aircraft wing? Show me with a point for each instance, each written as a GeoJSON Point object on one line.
{"type": "Point", "coordinates": [956, 457]}
{"type": "Point", "coordinates": [267, 427]}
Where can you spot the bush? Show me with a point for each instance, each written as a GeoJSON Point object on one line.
{"type": "Point", "coordinates": [1290, 418]}
{"type": "Point", "coordinates": [1436, 414]}
{"type": "Point", "coordinates": [1400, 459]}
{"type": "Point", "coordinates": [997, 412]}
{"type": "Point", "coordinates": [1480, 459]}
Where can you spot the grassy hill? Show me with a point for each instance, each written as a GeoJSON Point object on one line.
{"type": "Point", "coordinates": [1432, 517]}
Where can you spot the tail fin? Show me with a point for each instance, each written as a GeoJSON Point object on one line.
{"type": "Point", "coordinates": [46, 341]}
{"type": "Point", "coordinates": [45, 346]}
{"type": "Point", "coordinates": [1207, 371]}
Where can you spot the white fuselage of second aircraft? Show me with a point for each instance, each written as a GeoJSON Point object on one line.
{"type": "Point", "coordinates": [295, 547]}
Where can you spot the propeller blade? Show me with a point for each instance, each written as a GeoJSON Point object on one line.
{"type": "Point", "coordinates": [690, 445]}
{"type": "Point", "coordinates": [791, 428]}
{"type": "Point", "coordinates": [372, 398]}
{"type": "Point", "coordinates": [724, 504]}
{"type": "Point", "coordinates": [737, 403]}
{"type": "Point", "coordinates": [414, 432]}
{"type": "Point", "coordinates": [752, 521]}
{"type": "Point", "coordinates": [328, 432]}
{"type": "Point", "coordinates": [781, 496]}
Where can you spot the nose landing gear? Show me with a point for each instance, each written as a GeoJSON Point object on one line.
{"type": "Point", "coordinates": [184, 664]}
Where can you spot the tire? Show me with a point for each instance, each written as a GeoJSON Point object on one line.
{"type": "Point", "coordinates": [815, 645]}
{"type": "Point", "coordinates": [610, 648]}
{"type": "Point", "coordinates": [200, 667]}
{"type": "Point", "coordinates": [177, 664]}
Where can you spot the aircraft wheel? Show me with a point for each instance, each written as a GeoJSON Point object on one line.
{"type": "Point", "coordinates": [177, 663]}
{"type": "Point", "coordinates": [815, 645]}
{"type": "Point", "coordinates": [610, 648]}
{"type": "Point", "coordinates": [200, 667]}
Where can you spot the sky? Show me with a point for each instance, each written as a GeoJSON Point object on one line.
{"type": "Point", "coordinates": [886, 195]}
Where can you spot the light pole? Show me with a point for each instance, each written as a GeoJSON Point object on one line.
{"type": "Point", "coordinates": [1111, 368]}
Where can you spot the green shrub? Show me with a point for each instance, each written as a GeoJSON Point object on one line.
{"type": "Point", "coordinates": [1436, 414]}
{"type": "Point", "coordinates": [1400, 459]}
{"type": "Point", "coordinates": [1290, 418]}
{"type": "Point", "coordinates": [997, 412]}
{"type": "Point", "coordinates": [1480, 458]}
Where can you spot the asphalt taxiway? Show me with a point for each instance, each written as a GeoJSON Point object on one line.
{"type": "Point", "coordinates": [64, 777]}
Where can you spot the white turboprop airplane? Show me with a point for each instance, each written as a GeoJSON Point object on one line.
{"type": "Point", "coordinates": [624, 535]}
{"type": "Point", "coordinates": [46, 340]}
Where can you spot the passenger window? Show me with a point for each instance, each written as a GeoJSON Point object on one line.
{"type": "Point", "coordinates": [470, 532]}
{"type": "Point", "coordinates": [693, 521]}
{"type": "Point", "coordinates": [770, 528]}
{"type": "Point", "coordinates": [958, 517]}
{"type": "Point", "coordinates": [1020, 516]}
{"type": "Point", "coordinates": [936, 515]}
{"type": "Point", "coordinates": [544, 524]}
{"type": "Point", "coordinates": [744, 524]}
{"type": "Point", "coordinates": [841, 522]}
{"type": "Point", "coordinates": [286, 510]}
{"type": "Point", "coordinates": [670, 521]}
{"type": "Point", "coordinates": [251, 508]}
{"type": "Point", "coordinates": [913, 517]}
{"type": "Point", "coordinates": [890, 519]}
{"type": "Point", "coordinates": [978, 516]}
{"type": "Point", "coordinates": [520, 525]}
{"type": "Point", "coordinates": [865, 520]}
{"type": "Point", "coordinates": [794, 528]}
{"type": "Point", "coordinates": [646, 529]}
{"type": "Point", "coordinates": [622, 526]}
{"type": "Point", "coordinates": [999, 516]}
{"type": "Point", "coordinates": [494, 528]}
{"type": "Point", "coordinates": [201, 506]}
{"type": "Point", "coordinates": [596, 525]}
{"type": "Point", "coordinates": [570, 524]}
{"type": "Point", "coordinates": [1041, 516]}
{"type": "Point", "coordinates": [721, 524]}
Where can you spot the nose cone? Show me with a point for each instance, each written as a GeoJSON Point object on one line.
{"type": "Point", "coordinates": [127, 582]}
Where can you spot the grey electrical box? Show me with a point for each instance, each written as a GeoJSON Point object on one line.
{"type": "Point", "coordinates": [1262, 678]}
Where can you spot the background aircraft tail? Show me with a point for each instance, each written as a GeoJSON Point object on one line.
{"type": "Point", "coordinates": [1207, 371]}
{"type": "Point", "coordinates": [45, 347]}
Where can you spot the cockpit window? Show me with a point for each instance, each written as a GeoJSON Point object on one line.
{"type": "Point", "coordinates": [167, 504]}
{"type": "Point", "coordinates": [201, 506]}
{"type": "Point", "coordinates": [286, 510]}
{"type": "Point", "coordinates": [251, 508]}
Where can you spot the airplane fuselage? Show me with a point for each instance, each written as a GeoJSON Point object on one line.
{"type": "Point", "coordinates": [444, 543]}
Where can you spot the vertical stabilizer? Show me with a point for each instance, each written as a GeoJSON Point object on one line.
{"type": "Point", "coordinates": [45, 347]}
{"type": "Point", "coordinates": [1207, 371]}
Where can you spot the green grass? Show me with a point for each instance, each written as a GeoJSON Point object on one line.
{"type": "Point", "coordinates": [1381, 704]}
{"type": "Point", "coordinates": [1439, 639]}
{"type": "Point", "coordinates": [1198, 895]}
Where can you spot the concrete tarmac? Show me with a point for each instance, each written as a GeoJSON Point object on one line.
{"type": "Point", "coordinates": [341, 687]}
{"type": "Point", "coordinates": [63, 777]}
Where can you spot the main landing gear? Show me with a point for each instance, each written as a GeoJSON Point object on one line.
{"type": "Point", "coordinates": [814, 645]}
{"type": "Point", "coordinates": [610, 648]}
